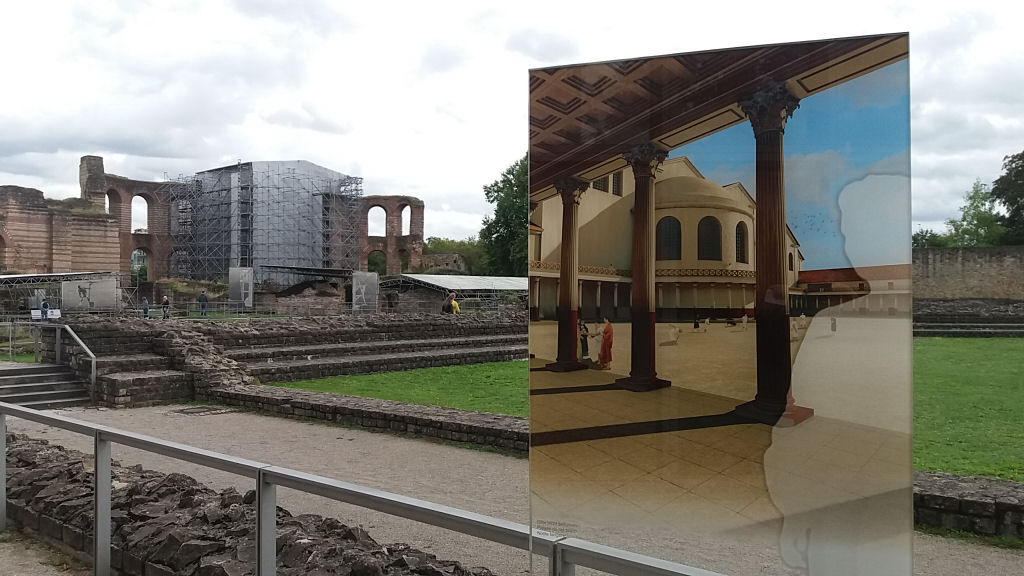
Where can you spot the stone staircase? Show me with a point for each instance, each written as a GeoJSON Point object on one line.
{"type": "Point", "coordinates": [42, 386]}
{"type": "Point", "coordinates": [276, 363]}
{"type": "Point", "coordinates": [968, 326]}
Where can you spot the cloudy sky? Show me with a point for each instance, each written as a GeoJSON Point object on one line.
{"type": "Point", "coordinates": [430, 99]}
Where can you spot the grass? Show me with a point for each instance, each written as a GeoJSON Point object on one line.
{"type": "Point", "coordinates": [21, 357]}
{"type": "Point", "coordinates": [968, 397]}
{"type": "Point", "coordinates": [496, 387]}
{"type": "Point", "coordinates": [1009, 542]}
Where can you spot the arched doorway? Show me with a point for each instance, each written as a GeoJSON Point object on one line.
{"type": "Point", "coordinates": [377, 261]}
{"type": "Point", "coordinates": [140, 215]}
{"type": "Point", "coordinates": [376, 221]}
{"type": "Point", "coordinates": [406, 220]}
{"type": "Point", "coordinates": [140, 266]}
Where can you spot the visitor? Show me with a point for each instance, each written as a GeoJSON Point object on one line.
{"type": "Point", "coordinates": [583, 333]}
{"type": "Point", "coordinates": [450, 306]}
{"type": "Point", "coordinates": [165, 305]}
{"type": "Point", "coordinates": [202, 303]}
{"type": "Point", "coordinates": [145, 307]}
{"type": "Point", "coordinates": [604, 358]}
{"type": "Point", "coordinates": [44, 310]}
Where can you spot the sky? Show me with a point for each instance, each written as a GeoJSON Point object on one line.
{"type": "Point", "coordinates": [430, 99]}
{"type": "Point", "coordinates": [847, 170]}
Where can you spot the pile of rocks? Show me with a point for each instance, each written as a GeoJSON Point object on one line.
{"type": "Point", "coordinates": [171, 525]}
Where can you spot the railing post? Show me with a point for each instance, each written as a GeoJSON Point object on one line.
{"type": "Point", "coordinates": [557, 566]}
{"type": "Point", "coordinates": [101, 506]}
{"type": "Point", "coordinates": [57, 334]}
{"type": "Point", "coordinates": [266, 527]}
{"type": "Point", "coordinates": [3, 472]}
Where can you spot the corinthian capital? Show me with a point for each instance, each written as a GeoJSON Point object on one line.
{"type": "Point", "coordinates": [769, 108]}
{"type": "Point", "coordinates": [571, 189]}
{"type": "Point", "coordinates": [645, 157]}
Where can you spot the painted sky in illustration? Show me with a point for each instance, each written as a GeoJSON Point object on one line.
{"type": "Point", "coordinates": [847, 154]}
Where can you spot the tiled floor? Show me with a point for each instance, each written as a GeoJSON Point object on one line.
{"type": "Point", "coordinates": [799, 492]}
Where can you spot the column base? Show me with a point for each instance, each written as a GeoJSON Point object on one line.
{"type": "Point", "coordinates": [794, 415]}
{"type": "Point", "coordinates": [570, 366]}
{"type": "Point", "coordinates": [761, 412]}
{"type": "Point", "coordinates": [642, 384]}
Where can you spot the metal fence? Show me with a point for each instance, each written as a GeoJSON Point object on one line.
{"type": "Point", "coordinates": [563, 554]}
{"type": "Point", "coordinates": [36, 331]}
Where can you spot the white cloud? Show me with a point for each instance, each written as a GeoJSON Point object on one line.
{"type": "Point", "coordinates": [430, 100]}
{"type": "Point", "coordinates": [875, 212]}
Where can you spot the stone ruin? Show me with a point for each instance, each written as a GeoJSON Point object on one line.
{"type": "Point", "coordinates": [172, 525]}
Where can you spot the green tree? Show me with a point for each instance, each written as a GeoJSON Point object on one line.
{"type": "Point", "coordinates": [504, 234]}
{"type": "Point", "coordinates": [377, 262]}
{"type": "Point", "coordinates": [470, 249]}
{"type": "Point", "coordinates": [928, 238]}
{"type": "Point", "coordinates": [979, 223]}
{"type": "Point", "coordinates": [1008, 189]}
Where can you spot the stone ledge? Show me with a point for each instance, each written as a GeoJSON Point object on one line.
{"type": "Point", "coordinates": [980, 505]}
{"type": "Point", "coordinates": [496, 430]}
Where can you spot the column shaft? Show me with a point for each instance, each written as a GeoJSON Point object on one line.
{"type": "Point", "coordinates": [568, 287]}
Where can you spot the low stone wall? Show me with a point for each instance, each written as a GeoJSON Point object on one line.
{"type": "Point", "coordinates": [981, 505]}
{"type": "Point", "coordinates": [482, 428]}
{"type": "Point", "coordinates": [968, 311]}
{"type": "Point", "coordinates": [171, 525]}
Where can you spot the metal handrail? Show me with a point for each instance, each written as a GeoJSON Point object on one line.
{"type": "Point", "coordinates": [88, 352]}
{"type": "Point", "coordinates": [564, 554]}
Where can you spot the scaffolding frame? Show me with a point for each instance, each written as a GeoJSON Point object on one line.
{"type": "Point", "coordinates": [256, 214]}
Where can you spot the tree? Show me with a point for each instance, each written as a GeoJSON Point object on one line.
{"type": "Point", "coordinates": [504, 235]}
{"type": "Point", "coordinates": [928, 238]}
{"type": "Point", "coordinates": [979, 222]}
{"type": "Point", "coordinates": [1008, 189]}
{"type": "Point", "coordinates": [470, 249]}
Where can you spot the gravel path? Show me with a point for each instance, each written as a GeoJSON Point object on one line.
{"type": "Point", "coordinates": [478, 481]}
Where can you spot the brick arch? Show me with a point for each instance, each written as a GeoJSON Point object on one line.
{"type": "Point", "coordinates": [393, 242]}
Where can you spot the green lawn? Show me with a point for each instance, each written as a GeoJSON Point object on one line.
{"type": "Point", "coordinates": [969, 406]}
{"type": "Point", "coordinates": [498, 387]}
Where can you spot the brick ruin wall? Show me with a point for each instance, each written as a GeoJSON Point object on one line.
{"type": "Point", "coordinates": [393, 243]}
{"type": "Point", "coordinates": [969, 273]}
{"type": "Point", "coordinates": [42, 237]}
{"type": "Point", "coordinates": [172, 525]}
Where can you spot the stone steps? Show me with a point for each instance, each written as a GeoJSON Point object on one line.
{"type": "Point", "coordinates": [255, 354]}
{"type": "Point", "coordinates": [292, 370]}
{"type": "Point", "coordinates": [970, 329]}
{"type": "Point", "coordinates": [42, 386]}
{"type": "Point", "coordinates": [143, 388]}
{"type": "Point", "coordinates": [141, 362]}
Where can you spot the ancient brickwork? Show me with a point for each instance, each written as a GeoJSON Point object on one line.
{"type": "Point", "coordinates": [393, 244]}
{"type": "Point", "coordinates": [980, 505]}
{"type": "Point", "coordinates": [37, 236]}
{"type": "Point", "coordinates": [480, 428]}
{"type": "Point", "coordinates": [989, 272]}
{"type": "Point", "coordinates": [449, 262]}
{"type": "Point", "coordinates": [172, 525]}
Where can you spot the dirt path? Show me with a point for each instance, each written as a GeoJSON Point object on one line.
{"type": "Point", "coordinates": [481, 482]}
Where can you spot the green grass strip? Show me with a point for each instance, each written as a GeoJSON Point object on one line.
{"type": "Point", "coordinates": [968, 398]}
{"type": "Point", "coordinates": [496, 387]}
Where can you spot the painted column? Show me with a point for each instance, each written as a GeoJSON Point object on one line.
{"type": "Point", "coordinates": [535, 298]}
{"type": "Point", "coordinates": [571, 190]}
{"type": "Point", "coordinates": [644, 160]}
{"type": "Point", "coordinates": [597, 306]}
{"type": "Point", "coordinates": [768, 111]}
{"type": "Point", "coordinates": [615, 300]}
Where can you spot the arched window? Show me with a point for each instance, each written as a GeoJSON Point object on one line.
{"type": "Point", "coordinates": [741, 242]}
{"type": "Point", "coordinates": [709, 239]}
{"type": "Point", "coordinates": [790, 261]}
{"type": "Point", "coordinates": [669, 245]}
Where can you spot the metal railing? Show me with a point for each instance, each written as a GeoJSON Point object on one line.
{"type": "Point", "coordinates": [564, 554]}
{"type": "Point", "coordinates": [37, 329]}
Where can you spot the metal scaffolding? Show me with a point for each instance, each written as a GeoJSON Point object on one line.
{"type": "Point", "coordinates": [257, 214]}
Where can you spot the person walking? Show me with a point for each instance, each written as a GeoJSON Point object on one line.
{"type": "Point", "coordinates": [165, 305]}
{"type": "Point", "coordinates": [203, 300]}
{"type": "Point", "coordinates": [584, 335]}
{"type": "Point", "coordinates": [145, 307]}
{"type": "Point", "coordinates": [450, 306]}
{"type": "Point", "coordinates": [604, 358]}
